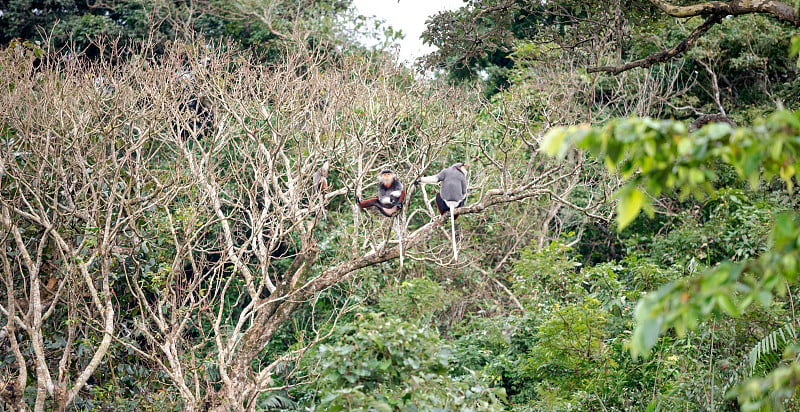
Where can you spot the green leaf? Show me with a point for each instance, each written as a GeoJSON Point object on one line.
{"type": "Point", "coordinates": [614, 153]}
{"type": "Point", "coordinates": [794, 49]}
{"type": "Point", "coordinates": [727, 305]}
{"type": "Point", "coordinates": [651, 407]}
{"type": "Point", "coordinates": [381, 406]}
{"type": "Point", "coordinates": [684, 146]}
{"type": "Point", "coordinates": [629, 206]}
{"type": "Point", "coordinates": [696, 176]}
{"type": "Point", "coordinates": [553, 140]}
{"type": "Point", "coordinates": [645, 336]}
{"type": "Point", "coordinates": [764, 298]}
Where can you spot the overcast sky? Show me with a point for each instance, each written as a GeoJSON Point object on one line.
{"type": "Point", "coordinates": [408, 16]}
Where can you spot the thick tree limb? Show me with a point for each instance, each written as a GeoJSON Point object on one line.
{"type": "Point", "coordinates": [665, 55]}
{"type": "Point", "coordinates": [715, 11]}
{"type": "Point", "coordinates": [278, 307]}
{"type": "Point", "coordinates": [783, 11]}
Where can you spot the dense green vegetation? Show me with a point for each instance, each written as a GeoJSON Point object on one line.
{"type": "Point", "coordinates": [165, 248]}
{"type": "Point", "coordinates": [80, 25]}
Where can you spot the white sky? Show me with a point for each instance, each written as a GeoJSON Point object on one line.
{"type": "Point", "coordinates": [408, 16]}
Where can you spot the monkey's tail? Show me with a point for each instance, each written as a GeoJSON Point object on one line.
{"type": "Point", "coordinates": [453, 233]}
{"type": "Point", "coordinates": [398, 227]}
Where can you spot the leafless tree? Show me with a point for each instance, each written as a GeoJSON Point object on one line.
{"type": "Point", "coordinates": [166, 206]}
{"type": "Point", "coordinates": [73, 184]}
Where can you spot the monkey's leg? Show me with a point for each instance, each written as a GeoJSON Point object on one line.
{"type": "Point", "coordinates": [368, 203]}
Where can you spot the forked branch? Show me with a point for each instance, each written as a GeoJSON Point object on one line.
{"type": "Point", "coordinates": [714, 12]}
{"type": "Point", "coordinates": [665, 55]}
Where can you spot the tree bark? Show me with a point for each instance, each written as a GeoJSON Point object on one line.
{"type": "Point", "coordinates": [280, 306]}
{"type": "Point", "coordinates": [714, 11]}
{"type": "Point", "coordinates": [781, 10]}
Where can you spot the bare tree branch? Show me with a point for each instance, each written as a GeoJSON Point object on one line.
{"type": "Point", "coordinates": [202, 223]}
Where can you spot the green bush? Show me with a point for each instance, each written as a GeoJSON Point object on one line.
{"type": "Point", "coordinates": [415, 299]}
{"type": "Point", "coordinates": [386, 364]}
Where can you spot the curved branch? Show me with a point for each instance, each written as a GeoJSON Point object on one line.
{"type": "Point", "coordinates": [783, 11]}
{"type": "Point", "coordinates": [710, 7]}
{"type": "Point", "coordinates": [278, 307]}
{"type": "Point", "coordinates": [665, 55]}
{"type": "Point", "coordinates": [715, 12]}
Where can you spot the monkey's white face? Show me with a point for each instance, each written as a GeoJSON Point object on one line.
{"type": "Point", "coordinates": [387, 179]}
{"type": "Point", "coordinates": [463, 169]}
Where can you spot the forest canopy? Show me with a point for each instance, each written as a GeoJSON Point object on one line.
{"type": "Point", "coordinates": [182, 220]}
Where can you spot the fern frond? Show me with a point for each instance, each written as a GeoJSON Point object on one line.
{"type": "Point", "coordinates": [277, 402]}
{"type": "Point", "coordinates": [769, 349]}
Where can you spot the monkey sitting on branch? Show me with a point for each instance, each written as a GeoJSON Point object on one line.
{"type": "Point", "coordinates": [391, 195]}
{"type": "Point", "coordinates": [452, 194]}
{"type": "Point", "coordinates": [389, 202]}
{"type": "Point", "coordinates": [320, 179]}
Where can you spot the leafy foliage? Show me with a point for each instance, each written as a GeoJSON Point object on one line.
{"type": "Point", "coordinates": [571, 355]}
{"type": "Point", "coordinates": [691, 306]}
{"type": "Point", "coordinates": [415, 299]}
{"type": "Point", "coordinates": [729, 226]}
{"type": "Point", "coordinates": [659, 156]}
{"type": "Point", "coordinates": [385, 364]}
{"type": "Point", "coordinates": [767, 352]}
{"type": "Point", "coordinates": [260, 25]}
{"type": "Point", "coordinates": [547, 276]}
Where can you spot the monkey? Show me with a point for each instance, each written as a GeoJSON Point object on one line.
{"type": "Point", "coordinates": [196, 106]}
{"type": "Point", "coordinates": [389, 202]}
{"type": "Point", "coordinates": [319, 185]}
{"type": "Point", "coordinates": [200, 120]}
{"type": "Point", "coordinates": [391, 195]}
{"type": "Point", "coordinates": [452, 194]}
{"type": "Point", "coordinates": [320, 179]}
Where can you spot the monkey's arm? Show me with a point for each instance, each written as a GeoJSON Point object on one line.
{"type": "Point", "coordinates": [429, 179]}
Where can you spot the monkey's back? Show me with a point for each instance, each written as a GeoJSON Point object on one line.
{"type": "Point", "coordinates": [454, 184]}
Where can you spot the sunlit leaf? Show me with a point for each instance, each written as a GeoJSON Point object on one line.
{"type": "Point", "coordinates": [645, 336]}
{"type": "Point", "coordinates": [553, 140]}
{"type": "Point", "coordinates": [795, 48]}
{"type": "Point", "coordinates": [727, 305]}
{"type": "Point", "coordinates": [629, 206]}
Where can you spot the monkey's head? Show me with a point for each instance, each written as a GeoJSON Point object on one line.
{"type": "Point", "coordinates": [461, 166]}
{"type": "Point", "coordinates": [386, 178]}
